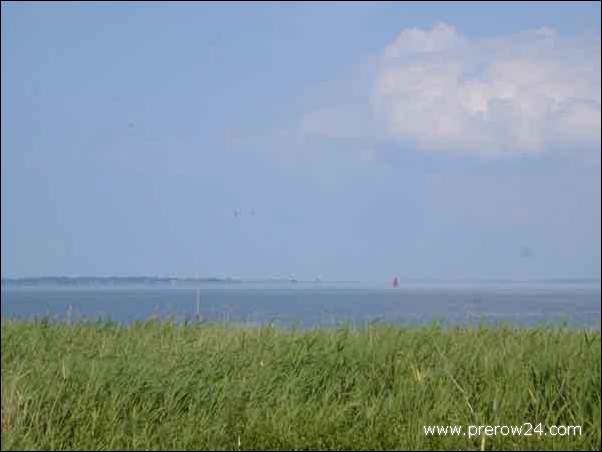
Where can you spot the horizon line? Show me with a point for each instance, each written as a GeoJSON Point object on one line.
{"type": "Point", "coordinates": [300, 279]}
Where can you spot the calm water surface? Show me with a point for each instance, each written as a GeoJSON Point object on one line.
{"type": "Point", "coordinates": [319, 304]}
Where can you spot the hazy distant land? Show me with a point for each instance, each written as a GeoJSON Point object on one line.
{"type": "Point", "coordinates": [170, 281]}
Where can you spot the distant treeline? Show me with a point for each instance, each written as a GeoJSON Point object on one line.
{"type": "Point", "coordinates": [106, 280]}
{"type": "Point", "coordinates": [158, 280]}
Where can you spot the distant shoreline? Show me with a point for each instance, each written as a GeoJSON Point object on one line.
{"type": "Point", "coordinates": [171, 281]}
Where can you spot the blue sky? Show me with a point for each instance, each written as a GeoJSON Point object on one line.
{"type": "Point", "coordinates": [358, 140]}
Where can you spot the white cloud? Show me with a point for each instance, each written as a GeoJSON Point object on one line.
{"type": "Point", "coordinates": [527, 92]}
{"type": "Point", "coordinates": [415, 40]}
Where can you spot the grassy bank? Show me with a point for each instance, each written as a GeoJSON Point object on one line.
{"type": "Point", "coordinates": [162, 386]}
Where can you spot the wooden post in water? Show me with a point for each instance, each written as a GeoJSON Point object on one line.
{"type": "Point", "coordinates": [198, 304]}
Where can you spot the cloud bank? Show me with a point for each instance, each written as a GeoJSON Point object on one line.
{"type": "Point", "coordinates": [523, 93]}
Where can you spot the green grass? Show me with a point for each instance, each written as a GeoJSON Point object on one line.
{"type": "Point", "coordinates": [166, 386]}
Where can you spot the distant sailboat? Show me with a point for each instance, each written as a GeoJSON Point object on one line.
{"type": "Point", "coordinates": [396, 282]}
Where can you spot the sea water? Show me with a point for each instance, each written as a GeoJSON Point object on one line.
{"type": "Point", "coordinates": [308, 305]}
